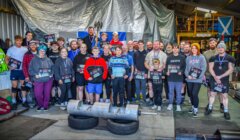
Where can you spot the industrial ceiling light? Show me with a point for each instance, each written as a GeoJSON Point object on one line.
{"type": "Point", "coordinates": [205, 10]}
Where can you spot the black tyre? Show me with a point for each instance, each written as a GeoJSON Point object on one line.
{"type": "Point", "coordinates": [82, 122]}
{"type": "Point", "coordinates": [122, 127]}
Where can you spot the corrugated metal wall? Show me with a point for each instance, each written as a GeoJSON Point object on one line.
{"type": "Point", "coordinates": [10, 24]}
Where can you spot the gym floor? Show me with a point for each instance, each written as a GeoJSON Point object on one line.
{"type": "Point", "coordinates": [165, 125]}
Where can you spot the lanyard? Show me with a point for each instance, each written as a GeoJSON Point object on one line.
{"type": "Point", "coordinates": [154, 55]}
{"type": "Point", "coordinates": [221, 61]}
{"type": "Point", "coordinates": [91, 40]}
{"type": "Point", "coordinates": [74, 53]}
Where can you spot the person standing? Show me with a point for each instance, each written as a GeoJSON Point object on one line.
{"type": "Point", "coordinates": [208, 54]}
{"type": "Point", "coordinates": [149, 46]}
{"type": "Point", "coordinates": [78, 66]}
{"type": "Point", "coordinates": [95, 71]}
{"type": "Point", "coordinates": [140, 71]}
{"type": "Point", "coordinates": [64, 74]}
{"type": "Point", "coordinates": [14, 59]}
{"type": "Point", "coordinates": [156, 53]}
{"type": "Point", "coordinates": [74, 50]}
{"type": "Point", "coordinates": [41, 71]}
{"type": "Point", "coordinates": [220, 67]}
{"type": "Point", "coordinates": [89, 39]}
{"type": "Point", "coordinates": [27, 39]}
{"type": "Point", "coordinates": [118, 67]}
{"type": "Point", "coordinates": [195, 69]}
{"type": "Point", "coordinates": [175, 70]}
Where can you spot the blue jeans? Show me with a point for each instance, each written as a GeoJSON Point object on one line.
{"type": "Point", "coordinates": [175, 86]}
{"type": "Point", "coordinates": [118, 89]}
{"type": "Point", "coordinates": [140, 85]}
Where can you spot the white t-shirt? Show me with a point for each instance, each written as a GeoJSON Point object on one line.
{"type": "Point", "coordinates": [156, 55]}
{"type": "Point", "coordinates": [17, 53]}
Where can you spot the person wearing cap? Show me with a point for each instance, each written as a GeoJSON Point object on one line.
{"type": "Point", "coordinates": [208, 54]}
{"type": "Point", "coordinates": [41, 71]}
{"type": "Point", "coordinates": [26, 61]}
{"type": "Point", "coordinates": [220, 67]}
{"type": "Point", "coordinates": [115, 42]}
{"type": "Point", "coordinates": [14, 59]}
{"type": "Point", "coordinates": [195, 69]}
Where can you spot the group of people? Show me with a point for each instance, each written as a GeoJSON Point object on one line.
{"type": "Point", "coordinates": [130, 73]}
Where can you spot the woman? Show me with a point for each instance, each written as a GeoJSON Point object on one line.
{"type": "Point", "coordinates": [195, 69]}
{"type": "Point", "coordinates": [41, 71]}
{"type": "Point", "coordinates": [64, 74]}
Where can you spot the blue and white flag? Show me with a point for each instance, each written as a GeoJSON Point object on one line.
{"type": "Point", "coordinates": [225, 25]}
{"type": "Point", "coordinates": [121, 35]}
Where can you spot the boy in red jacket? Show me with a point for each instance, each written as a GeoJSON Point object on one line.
{"type": "Point", "coordinates": [95, 71]}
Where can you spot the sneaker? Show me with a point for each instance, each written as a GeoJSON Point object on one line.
{"type": "Point", "coordinates": [154, 107]}
{"type": "Point", "coordinates": [221, 108]}
{"type": "Point", "coordinates": [190, 110]}
{"type": "Point", "coordinates": [182, 100]}
{"type": "Point", "coordinates": [45, 109]}
{"type": "Point", "coordinates": [25, 104]}
{"type": "Point", "coordinates": [101, 100]}
{"type": "Point", "coordinates": [206, 108]}
{"type": "Point", "coordinates": [107, 101]}
{"type": "Point", "coordinates": [178, 108]}
{"type": "Point", "coordinates": [150, 103]}
{"type": "Point", "coordinates": [159, 108]}
{"type": "Point", "coordinates": [65, 103]}
{"type": "Point", "coordinates": [39, 109]}
{"type": "Point", "coordinates": [137, 101]}
{"type": "Point", "coordinates": [14, 106]}
{"type": "Point", "coordinates": [227, 116]}
{"type": "Point", "coordinates": [208, 111]}
{"type": "Point", "coordinates": [147, 100]}
{"type": "Point", "coordinates": [195, 114]}
{"type": "Point", "coordinates": [170, 106]}
{"type": "Point", "coordinates": [63, 108]}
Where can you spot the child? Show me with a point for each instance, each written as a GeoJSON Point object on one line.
{"type": "Point", "coordinates": [156, 78]}
{"type": "Point", "coordinates": [118, 67]}
{"type": "Point", "coordinates": [106, 56]}
{"type": "Point", "coordinates": [101, 42]}
{"type": "Point", "coordinates": [64, 74]}
{"type": "Point", "coordinates": [95, 71]}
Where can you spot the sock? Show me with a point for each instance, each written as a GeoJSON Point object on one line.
{"type": "Point", "coordinates": [14, 101]}
{"type": "Point", "coordinates": [225, 109]}
{"type": "Point", "coordinates": [210, 106]}
{"type": "Point", "coordinates": [195, 109]}
{"type": "Point", "coordinates": [24, 99]}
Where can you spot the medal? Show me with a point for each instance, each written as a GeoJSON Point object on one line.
{"type": "Point", "coordinates": [220, 67]}
{"type": "Point", "coordinates": [221, 61]}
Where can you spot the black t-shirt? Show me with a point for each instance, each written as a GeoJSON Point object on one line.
{"type": "Point", "coordinates": [53, 56]}
{"type": "Point", "coordinates": [79, 62]}
{"type": "Point", "coordinates": [174, 65]}
{"type": "Point", "coordinates": [221, 64]}
{"type": "Point", "coordinates": [106, 57]}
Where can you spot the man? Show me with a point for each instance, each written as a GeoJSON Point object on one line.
{"type": "Point", "coordinates": [162, 46]}
{"type": "Point", "coordinates": [149, 46]}
{"type": "Point", "coordinates": [129, 81]}
{"type": "Point", "coordinates": [89, 39]}
{"type": "Point", "coordinates": [220, 67]}
{"type": "Point", "coordinates": [156, 53]}
{"type": "Point", "coordinates": [25, 66]}
{"type": "Point", "coordinates": [208, 54]}
{"type": "Point", "coordinates": [182, 45]}
{"type": "Point", "coordinates": [130, 48]}
{"type": "Point", "coordinates": [186, 52]}
{"type": "Point", "coordinates": [14, 60]}
{"type": "Point", "coordinates": [74, 50]}
{"type": "Point", "coordinates": [27, 39]}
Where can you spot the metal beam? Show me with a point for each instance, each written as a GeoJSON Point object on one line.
{"type": "Point", "coordinates": [219, 9]}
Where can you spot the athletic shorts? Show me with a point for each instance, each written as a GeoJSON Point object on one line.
{"type": "Point", "coordinates": [94, 88]}
{"type": "Point", "coordinates": [222, 88]}
{"type": "Point", "coordinates": [80, 80]}
{"type": "Point", "coordinates": [16, 75]}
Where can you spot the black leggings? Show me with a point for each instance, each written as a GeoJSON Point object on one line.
{"type": "Point", "coordinates": [65, 92]}
{"type": "Point", "coordinates": [193, 91]}
{"type": "Point", "coordinates": [107, 84]}
{"type": "Point", "coordinates": [118, 89]}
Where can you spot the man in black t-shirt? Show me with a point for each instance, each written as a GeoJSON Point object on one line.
{"type": "Point", "coordinates": [220, 67]}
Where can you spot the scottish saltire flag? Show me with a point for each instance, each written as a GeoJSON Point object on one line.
{"type": "Point", "coordinates": [225, 25]}
{"type": "Point", "coordinates": [121, 35]}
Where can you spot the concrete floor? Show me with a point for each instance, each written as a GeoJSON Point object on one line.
{"type": "Point", "coordinates": [160, 126]}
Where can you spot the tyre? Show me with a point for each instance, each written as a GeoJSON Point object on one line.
{"type": "Point", "coordinates": [82, 122]}
{"type": "Point", "coordinates": [122, 127]}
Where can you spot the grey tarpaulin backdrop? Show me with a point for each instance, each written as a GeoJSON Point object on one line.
{"type": "Point", "coordinates": [142, 18]}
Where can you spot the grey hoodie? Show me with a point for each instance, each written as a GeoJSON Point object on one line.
{"type": "Point", "coordinates": [43, 67]}
{"type": "Point", "coordinates": [198, 62]}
